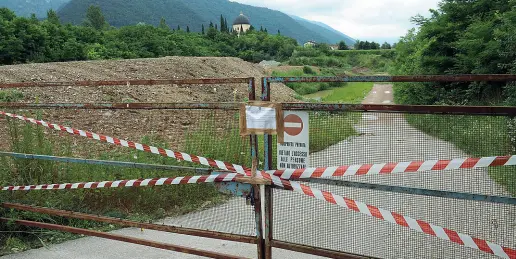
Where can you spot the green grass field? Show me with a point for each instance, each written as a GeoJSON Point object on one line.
{"type": "Point", "coordinates": [351, 93]}
{"type": "Point", "coordinates": [478, 136]}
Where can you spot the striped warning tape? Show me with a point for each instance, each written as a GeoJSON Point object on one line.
{"type": "Point", "coordinates": [142, 147]}
{"type": "Point", "coordinates": [131, 183]}
{"type": "Point", "coordinates": [390, 168]}
{"type": "Point", "coordinates": [395, 218]}
{"type": "Point", "coordinates": [278, 178]}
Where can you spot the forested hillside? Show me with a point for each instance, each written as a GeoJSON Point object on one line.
{"type": "Point", "coordinates": [461, 37]}
{"type": "Point", "coordinates": [24, 40]}
{"type": "Point", "coordinates": [332, 34]}
{"type": "Point", "coordinates": [195, 13]}
{"type": "Point", "coordinates": [28, 7]}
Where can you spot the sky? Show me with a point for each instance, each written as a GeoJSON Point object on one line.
{"type": "Point", "coordinates": [378, 20]}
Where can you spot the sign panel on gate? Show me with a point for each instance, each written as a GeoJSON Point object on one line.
{"type": "Point", "coordinates": [293, 153]}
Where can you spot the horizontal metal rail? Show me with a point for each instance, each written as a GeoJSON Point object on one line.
{"type": "Point", "coordinates": [315, 251]}
{"type": "Point", "coordinates": [122, 238]}
{"type": "Point", "coordinates": [420, 109]}
{"type": "Point", "coordinates": [415, 191]}
{"type": "Point", "coordinates": [129, 82]}
{"type": "Point", "coordinates": [108, 163]}
{"type": "Point", "coordinates": [406, 78]}
{"type": "Point", "coordinates": [128, 223]}
{"type": "Point", "coordinates": [125, 106]}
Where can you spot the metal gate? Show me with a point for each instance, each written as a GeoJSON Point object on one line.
{"type": "Point", "coordinates": [385, 181]}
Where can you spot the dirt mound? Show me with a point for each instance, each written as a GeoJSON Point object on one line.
{"type": "Point", "coordinates": [155, 68]}
{"type": "Point", "coordinates": [171, 125]}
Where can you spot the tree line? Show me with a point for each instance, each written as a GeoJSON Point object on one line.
{"type": "Point", "coordinates": [461, 37]}
{"type": "Point", "coordinates": [24, 40]}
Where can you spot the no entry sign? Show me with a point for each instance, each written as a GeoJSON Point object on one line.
{"type": "Point", "coordinates": [294, 153]}
{"type": "Point", "coordinates": [293, 124]}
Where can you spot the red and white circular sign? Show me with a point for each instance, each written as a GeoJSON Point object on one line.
{"type": "Point", "coordinates": [293, 125]}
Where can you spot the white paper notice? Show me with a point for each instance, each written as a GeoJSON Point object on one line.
{"type": "Point", "coordinates": [260, 118]}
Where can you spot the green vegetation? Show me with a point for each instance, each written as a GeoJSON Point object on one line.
{"type": "Point", "coordinates": [308, 88]}
{"type": "Point", "coordinates": [461, 37]}
{"type": "Point", "coordinates": [323, 56]}
{"type": "Point", "coordinates": [10, 96]}
{"type": "Point", "coordinates": [366, 45]}
{"type": "Point", "coordinates": [24, 40]}
{"type": "Point", "coordinates": [195, 14]}
{"type": "Point", "coordinates": [478, 136]}
{"type": "Point", "coordinates": [28, 7]}
{"type": "Point", "coordinates": [464, 37]}
{"type": "Point", "coordinates": [141, 204]}
{"type": "Point", "coordinates": [351, 93]}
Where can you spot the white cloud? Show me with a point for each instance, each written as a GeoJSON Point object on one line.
{"type": "Point", "coordinates": [361, 19]}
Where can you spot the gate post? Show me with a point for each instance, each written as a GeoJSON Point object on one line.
{"type": "Point", "coordinates": [255, 192]}
{"type": "Point", "coordinates": [267, 197]}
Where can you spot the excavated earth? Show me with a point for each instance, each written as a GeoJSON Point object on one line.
{"type": "Point", "coordinates": [170, 125]}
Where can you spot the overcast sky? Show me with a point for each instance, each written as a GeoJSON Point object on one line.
{"type": "Point", "coordinates": [377, 20]}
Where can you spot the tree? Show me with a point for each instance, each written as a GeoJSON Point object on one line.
{"type": "Point", "coordinates": [178, 28]}
{"type": "Point", "coordinates": [216, 27]}
{"type": "Point", "coordinates": [261, 28]}
{"type": "Point", "coordinates": [202, 29]}
{"type": "Point", "coordinates": [386, 45]}
{"type": "Point", "coordinates": [279, 33]}
{"type": "Point", "coordinates": [52, 17]}
{"type": "Point", "coordinates": [342, 45]}
{"type": "Point", "coordinates": [226, 25]}
{"type": "Point", "coordinates": [187, 29]}
{"type": "Point", "coordinates": [265, 30]}
{"type": "Point", "coordinates": [163, 24]}
{"type": "Point", "coordinates": [95, 18]}
{"type": "Point", "coordinates": [221, 23]}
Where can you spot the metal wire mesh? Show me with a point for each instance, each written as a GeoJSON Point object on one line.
{"type": "Point", "coordinates": [340, 138]}
{"type": "Point", "coordinates": [208, 133]}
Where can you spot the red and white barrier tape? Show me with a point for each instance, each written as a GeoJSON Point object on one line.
{"type": "Point", "coordinates": [130, 183]}
{"type": "Point", "coordinates": [398, 219]}
{"type": "Point", "coordinates": [390, 168]}
{"type": "Point", "coordinates": [278, 178]}
{"type": "Point", "coordinates": [142, 147]}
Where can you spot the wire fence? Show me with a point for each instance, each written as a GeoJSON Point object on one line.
{"type": "Point", "coordinates": [209, 133]}
{"type": "Point", "coordinates": [354, 137]}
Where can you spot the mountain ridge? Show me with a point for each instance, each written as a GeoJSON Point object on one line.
{"type": "Point", "coordinates": [182, 13]}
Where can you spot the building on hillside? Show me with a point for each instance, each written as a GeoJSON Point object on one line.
{"type": "Point", "coordinates": [241, 24]}
{"type": "Point", "coordinates": [310, 44]}
{"type": "Point", "coordinates": [334, 47]}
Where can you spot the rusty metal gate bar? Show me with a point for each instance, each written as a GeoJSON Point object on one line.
{"type": "Point", "coordinates": [264, 237]}
{"type": "Point", "coordinates": [258, 239]}
{"type": "Point", "coordinates": [415, 109]}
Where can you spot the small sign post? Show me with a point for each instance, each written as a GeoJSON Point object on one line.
{"type": "Point", "coordinates": [294, 152]}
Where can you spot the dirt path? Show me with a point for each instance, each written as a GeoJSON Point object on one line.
{"type": "Point", "coordinates": [304, 220]}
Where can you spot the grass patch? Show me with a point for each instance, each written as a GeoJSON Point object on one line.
{"type": "Point", "coordinates": [351, 93]}
{"type": "Point", "coordinates": [309, 88]}
{"type": "Point", "coordinates": [10, 95]}
{"type": "Point", "coordinates": [330, 128]}
{"type": "Point", "coordinates": [141, 204]}
{"type": "Point", "coordinates": [375, 60]}
{"type": "Point", "coordinates": [478, 136]}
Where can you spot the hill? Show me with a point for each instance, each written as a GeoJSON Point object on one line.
{"type": "Point", "coordinates": [28, 7]}
{"type": "Point", "coordinates": [195, 13]}
{"type": "Point", "coordinates": [330, 33]}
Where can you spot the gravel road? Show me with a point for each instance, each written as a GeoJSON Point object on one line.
{"type": "Point", "coordinates": [304, 220]}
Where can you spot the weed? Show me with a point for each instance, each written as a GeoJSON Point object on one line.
{"type": "Point", "coordinates": [478, 136]}
{"type": "Point", "coordinates": [10, 95]}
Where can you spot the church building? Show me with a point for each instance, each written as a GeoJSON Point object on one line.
{"type": "Point", "coordinates": [241, 24]}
